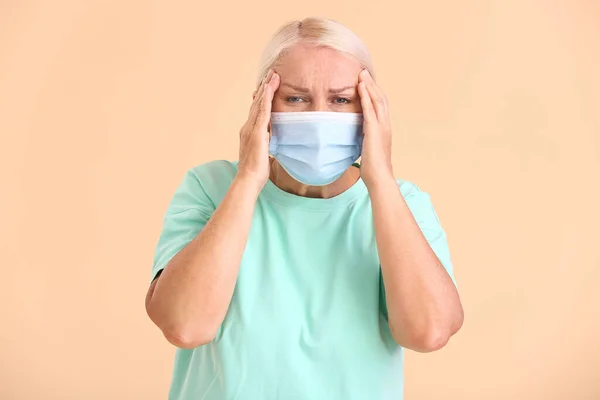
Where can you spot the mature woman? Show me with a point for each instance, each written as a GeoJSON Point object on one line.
{"type": "Point", "coordinates": [296, 273]}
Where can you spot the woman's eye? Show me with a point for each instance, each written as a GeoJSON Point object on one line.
{"type": "Point", "coordinates": [341, 100]}
{"type": "Point", "coordinates": [294, 99]}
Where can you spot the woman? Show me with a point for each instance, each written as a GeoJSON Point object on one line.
{"type": "Point", "coordinates": [295, 273]}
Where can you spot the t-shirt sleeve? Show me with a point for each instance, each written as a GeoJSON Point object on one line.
{"type": "Point", "coordinates": [424, 214]}
{"type": "Point", "coordinates": [188, 212]}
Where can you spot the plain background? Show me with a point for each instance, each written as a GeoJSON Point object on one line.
{"type": "Point", "coordinates": [105, 104]}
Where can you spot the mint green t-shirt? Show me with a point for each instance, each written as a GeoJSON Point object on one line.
{"type": "Point", "coordinates": [308, 319]}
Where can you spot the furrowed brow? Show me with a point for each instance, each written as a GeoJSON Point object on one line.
{"type": "Point", "coordinates": [306, 90]}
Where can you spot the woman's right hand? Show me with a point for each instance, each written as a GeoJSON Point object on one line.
{"type": "Point", "coordinates": [254, 135]}
{"type": "Point", "coordinates": [190, 299]}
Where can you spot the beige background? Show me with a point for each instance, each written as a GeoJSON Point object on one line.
{"type": "Point", "coordinates": [105, 104]}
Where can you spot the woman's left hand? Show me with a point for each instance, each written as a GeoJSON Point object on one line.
{"type": "Point", "coordinates": [376, 158]}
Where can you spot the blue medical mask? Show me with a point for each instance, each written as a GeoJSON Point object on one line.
{"type": "Point", "coordinates": [315, 148]}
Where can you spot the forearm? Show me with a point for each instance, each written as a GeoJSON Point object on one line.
{"type": "Point", "coordinates": [423, 305]}
{"type": "Point", "coordinates": [192, 295]}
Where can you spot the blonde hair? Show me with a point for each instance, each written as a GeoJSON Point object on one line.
{"type": "Point", "coordinates": [315, 31]}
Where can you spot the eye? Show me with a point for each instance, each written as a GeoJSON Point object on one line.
{"type": "Point", "coordinates": [294, 99]}
{"type": "Point", "coordinates": [341, 100]}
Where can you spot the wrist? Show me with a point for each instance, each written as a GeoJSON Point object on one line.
{"type": "Point", "coordinates": [248, 184]}
{"type": "Point", "coordinates": [380, 181]}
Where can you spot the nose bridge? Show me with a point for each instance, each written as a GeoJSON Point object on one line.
{"type": "Point", "coordinates": [319, 103]}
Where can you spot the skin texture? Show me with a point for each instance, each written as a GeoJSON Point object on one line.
{"type": "Point", "coordinates": [190, 299]}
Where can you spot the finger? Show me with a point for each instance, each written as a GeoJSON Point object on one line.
{"type": "Point", "coordinates": [367, 105]}
{"type": "Point", "coordinates": [378, 102]}
{"type": "Point", "coordinates": [258, 94]}
{"type": "Point", "coordinates": [377, 96]}
{"type": "Point", "coordinates": [264, 115]}
{"type": "Point", "coordinates": [256, 101]}
{"type": "Point", "coordinates": [267, 77]}
{"type": "Point", "coordinates": [259, 103]}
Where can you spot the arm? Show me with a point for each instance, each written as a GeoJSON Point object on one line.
{"type": "Point", "coordinates": [189, 300]}
{"type": "Point", "coordinates": [423, 305]}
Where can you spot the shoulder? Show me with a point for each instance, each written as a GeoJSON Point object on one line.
{"type": "Point", "coordinates": [206, 183]}
{"type": "Point", "coordinates": [213, 173]}
{"type": "Point", "coordinates": [418, 200]}
{"type": "Point", "coordinates": [410, 189]}
{"type": "Point", "coordinates": [421, 207]}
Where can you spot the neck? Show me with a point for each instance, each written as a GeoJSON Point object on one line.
{"type": "Point", "coordinates": [285, 182]}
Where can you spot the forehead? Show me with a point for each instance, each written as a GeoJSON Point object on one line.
{"type": "Point", "coordinates": [305, 64]}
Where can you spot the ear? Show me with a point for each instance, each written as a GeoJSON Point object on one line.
{"type": "Point", "coordinates": [254, 95]}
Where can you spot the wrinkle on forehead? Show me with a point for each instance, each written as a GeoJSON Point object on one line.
{"type": "Point", "coordinates": [317, 68]}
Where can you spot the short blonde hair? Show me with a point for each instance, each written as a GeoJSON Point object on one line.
{"type": "Point", "coordinates": [319, 32]}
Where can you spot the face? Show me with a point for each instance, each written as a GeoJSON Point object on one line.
{"type": "Point", "coordinates": [317, 79]}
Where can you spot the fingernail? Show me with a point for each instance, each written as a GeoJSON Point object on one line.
{"type": "Point", "coordinates": [364, 72]}
{"type": "Point", "coordinates": [265, 78]}
{"type": "Point", "coordinates": [273, 73]}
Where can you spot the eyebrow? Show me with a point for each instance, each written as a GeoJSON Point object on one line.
{"type": "Point", "coordinates": [306, 90]}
